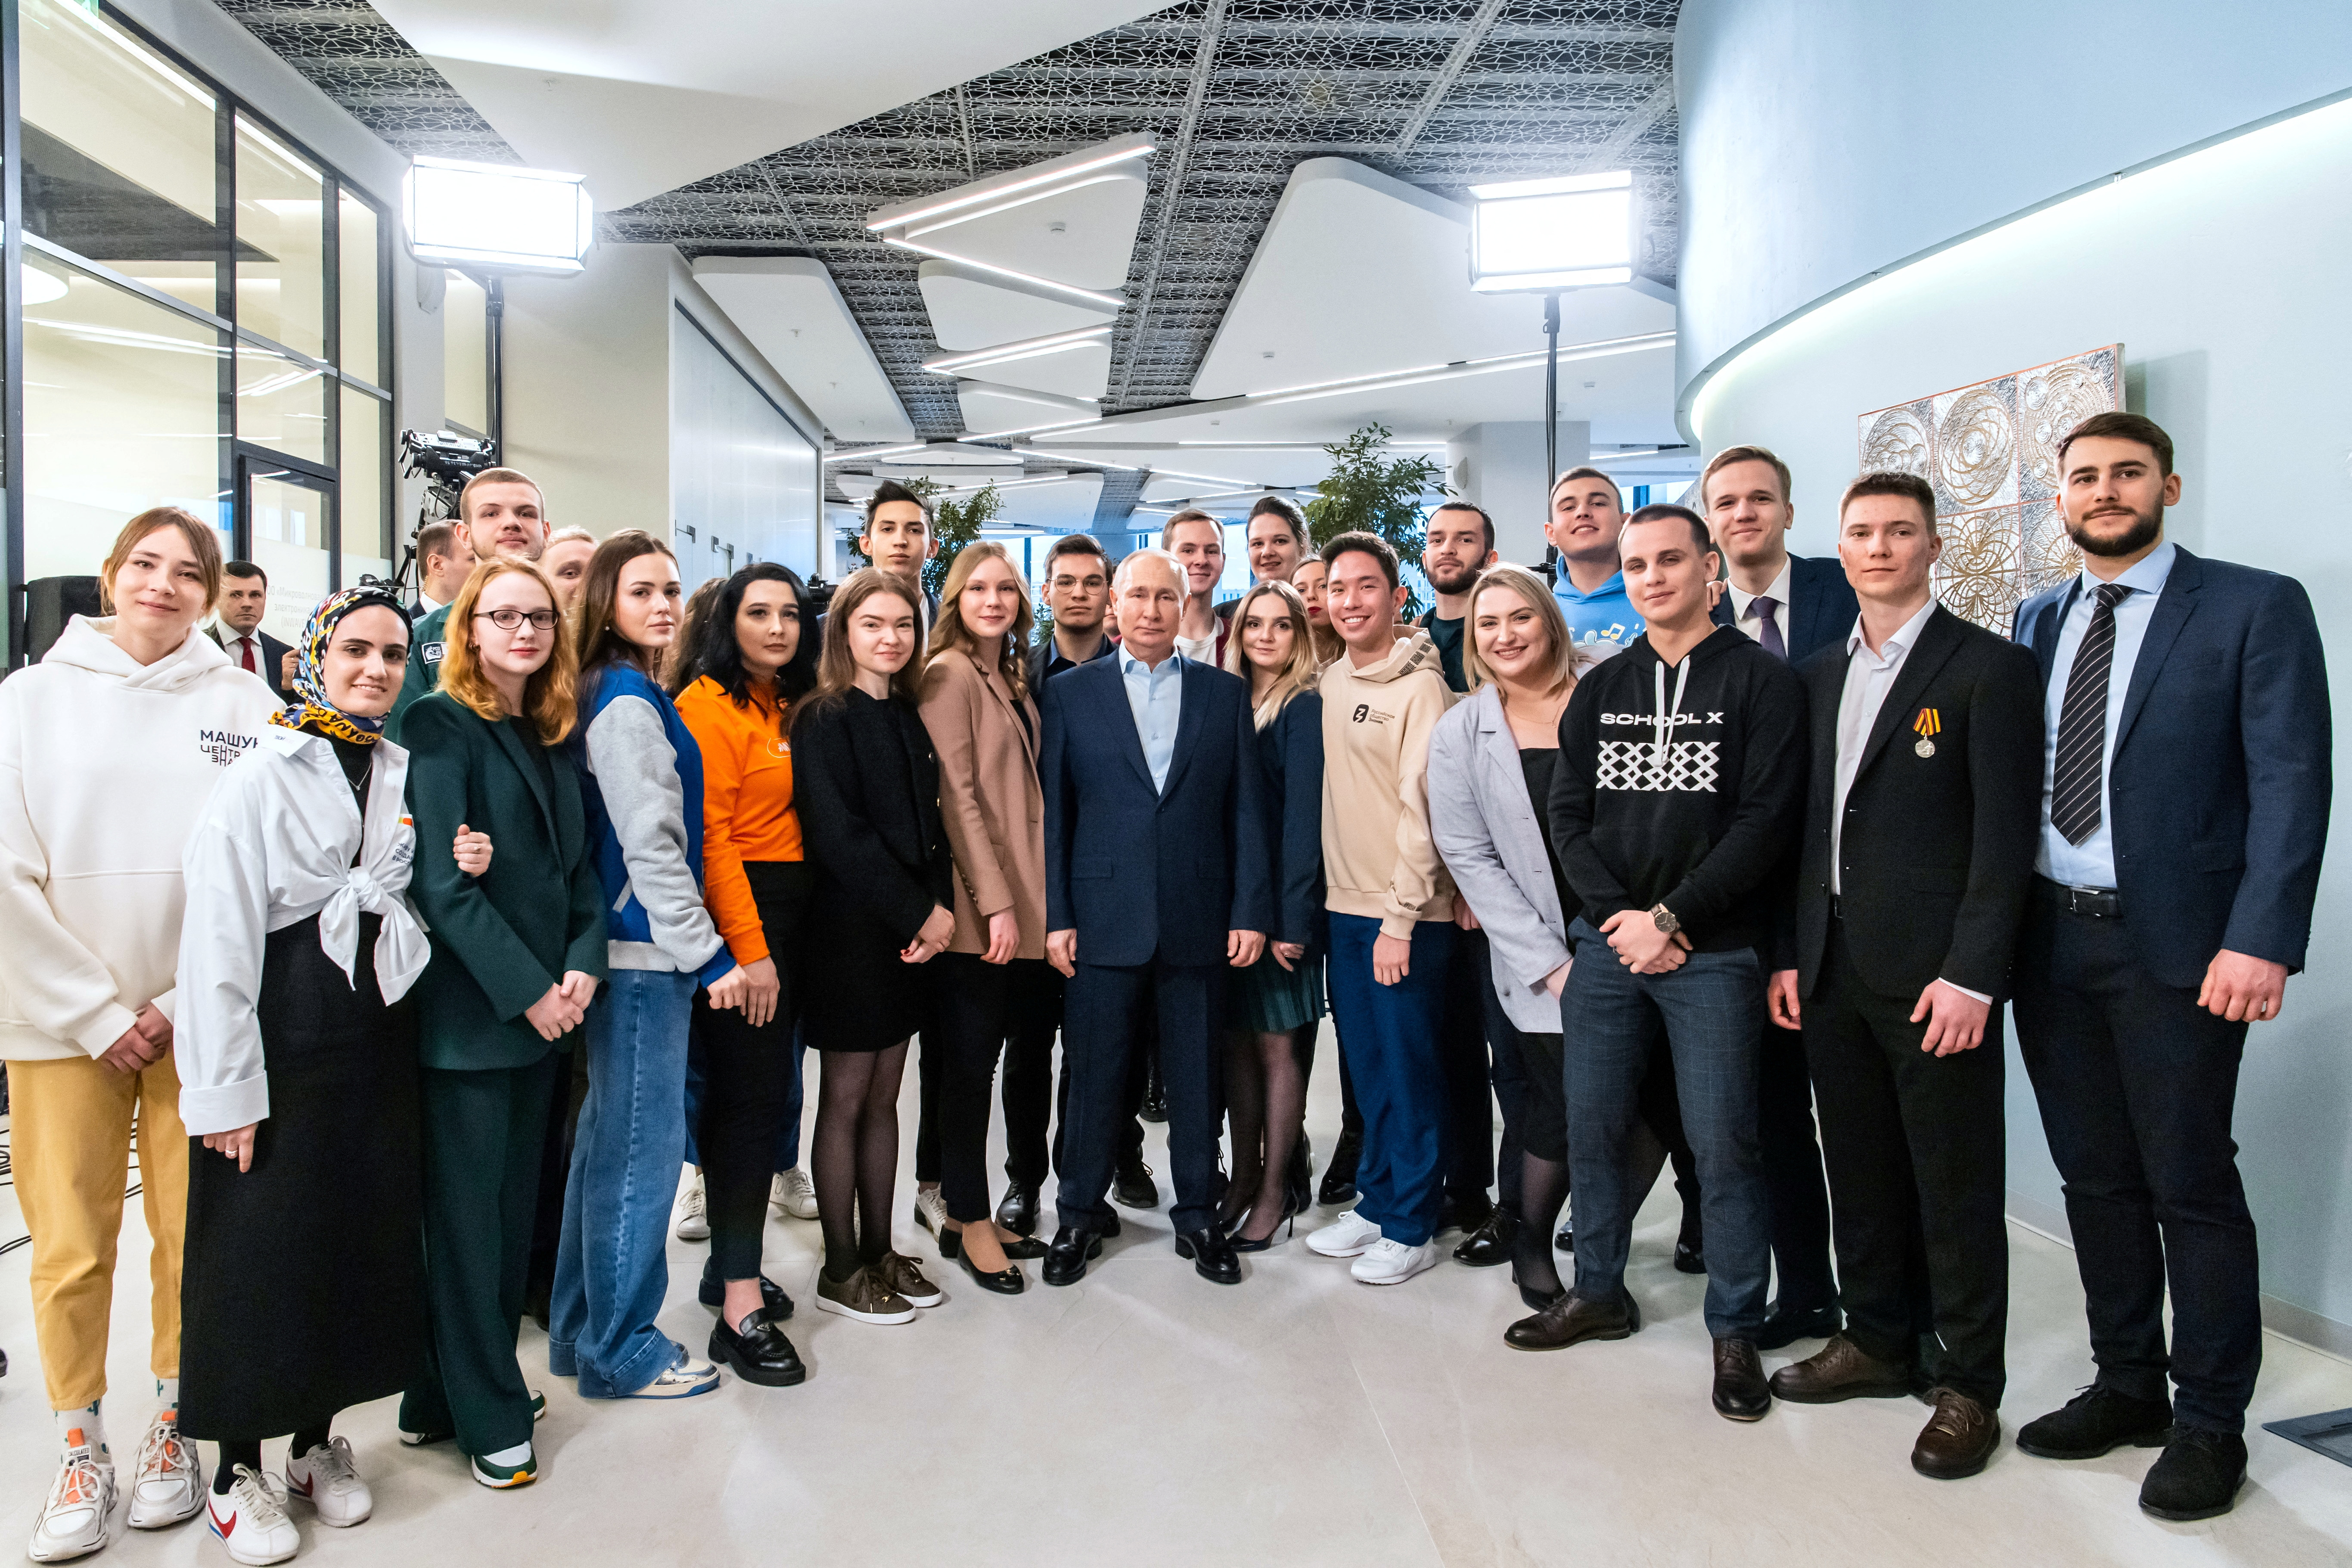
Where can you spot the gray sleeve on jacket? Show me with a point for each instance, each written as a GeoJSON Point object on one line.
{"type": "Point", "coordinates": [636, 771]}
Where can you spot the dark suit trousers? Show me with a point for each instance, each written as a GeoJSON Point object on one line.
{"type": "Point", "coordinates": [1514, 1068]}
{"type": "Point", "coordinates": [2136, 1084]}
{"type": "Point", "coordinates": [1029, 1095]}
{"type": "Point", "coordinates": [1798, 1199]}
{"type": "Point", "coordinates": [1105, 1012]}
{"type": "Point", "coordinates": [1918, 1162]}
{"type": "Point", "coordinates": [1469, 1093]}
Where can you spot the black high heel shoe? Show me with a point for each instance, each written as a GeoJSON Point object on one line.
{"type": "Point", "coordinates": [1274, 1238]}
{"type": "Point", "coordinates": [1006, 1281]}
{"type": "Point", "coordinates": [1537, 1301]}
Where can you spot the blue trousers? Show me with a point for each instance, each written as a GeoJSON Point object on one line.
{"type": "Point", "coordinates": [1712, 1011]}
{"type": "Point", "coordinates": [1395, 1056]}
{"type": "Point", "coordinates": [610, 1268]}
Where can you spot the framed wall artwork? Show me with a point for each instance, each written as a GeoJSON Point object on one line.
{"type": "Point", "coordinates": [1991, 451]}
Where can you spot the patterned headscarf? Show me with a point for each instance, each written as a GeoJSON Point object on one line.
{"type": "Point", "coordinates": [311, 710]}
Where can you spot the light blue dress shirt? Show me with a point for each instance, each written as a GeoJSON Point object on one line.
{"type": "Point", "coordinates": [2092, 863]}
{"type": "Point", "coordinates": [1156, 697]}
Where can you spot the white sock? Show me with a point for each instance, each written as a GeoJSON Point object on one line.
{"type": "Point", "coordinates": [509, 1458]}
{"type": "Point", "coordinates": [167, 1394]}
{"type": "Point", "coordinates": [86, 1421]}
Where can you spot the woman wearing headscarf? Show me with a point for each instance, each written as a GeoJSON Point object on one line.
{"type": "Point", "coordinates": [303, 1292]}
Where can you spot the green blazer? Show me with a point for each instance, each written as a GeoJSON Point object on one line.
{"type": "Point", "coordinates": [502, 939]}
{"type": "Point", "coordinates": [425, 649]}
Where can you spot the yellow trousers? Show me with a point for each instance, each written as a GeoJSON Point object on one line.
{"type": "Point", "coordinates": [70, 1136]}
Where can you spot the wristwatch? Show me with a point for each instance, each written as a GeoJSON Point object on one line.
{"type": "Point", "coordinates": [1664, 918]}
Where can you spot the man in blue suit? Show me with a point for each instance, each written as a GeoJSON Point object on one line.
{"type": "Point", "coordinates": [1792, 606]}
{"type": "Point", "coordinates": [2185, 794]}
{"type": "Point", "coordinates": [1156, 881]}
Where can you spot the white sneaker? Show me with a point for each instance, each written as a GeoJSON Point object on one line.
{"type": "Point", "coordinates": [684, 1377]}
{"type": "Point", "coordinates": [1345, 1237]}
{"type": "Point", "coordinates": [693, 1218]}
{"type": "Point", "coordinates": [932, 1209]}
{"type": "Point", "coordinates": [792, 1194]}
{"type": "Point", "coordinates": [168, 1482]}
{"type": "Point", "coordinates": [74, 1521]}
{"type": "Point", "coordinates": [1387, 1262]}
{"type": "Point", "coordinates": [326, 1478]}
{"type": "Point", "coordinates": [250, 1520]}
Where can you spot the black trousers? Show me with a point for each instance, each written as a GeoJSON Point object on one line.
{"type": "Point", "coordinates": [746, 1079]}
{"type": "Point", "coordinates": [973, 1010]}
{"type": "Point", "coordinates": [1028, 1094]}
{"type": "Point", "coordinates": [1106, 1009]}
{"type": "Point", "coordinates": [1917, 1166]}
{"type": "Point", "coordinates": [1797, 1195]}
{"type": "Point", "coordinates": [1513, 1092]}
{"type": "Point", "coordinates": [2136, 1084]}
{"type": "Point", "coordinates": [1461, 1058]}
{"type": "Point", "coordinates": [1137, 1084]}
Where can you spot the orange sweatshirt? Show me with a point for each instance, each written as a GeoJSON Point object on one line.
{"type": "Point", "coordinates": [747, 805]}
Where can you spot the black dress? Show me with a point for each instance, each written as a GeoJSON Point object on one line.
{"type": "Point", "coordinates": [302, 1285]}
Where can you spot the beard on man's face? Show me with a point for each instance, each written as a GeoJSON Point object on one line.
{"type": "Point", "coordinates": [2143, 531]}
{"type": "Point", "coordinates": [1458, 583]}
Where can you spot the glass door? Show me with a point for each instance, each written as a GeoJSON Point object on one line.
{"type": "Point", "coordinates": [286, 526]}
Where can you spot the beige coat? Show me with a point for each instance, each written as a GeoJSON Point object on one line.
{"type": "Point", "coordinates": [990, 799]}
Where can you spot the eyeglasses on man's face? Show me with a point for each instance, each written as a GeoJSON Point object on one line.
{"type": "Point", "coordinates": [507, 620]}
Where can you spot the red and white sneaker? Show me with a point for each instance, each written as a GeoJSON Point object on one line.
{"type": "Point", "coordinates": [326, 1479]}
{"type": "Point", "coordinates": [250, 1520]}
{"type": "Point", "coordinates": [75, 1521]}
{"type": "Point", "coordinates": [168, 1483]}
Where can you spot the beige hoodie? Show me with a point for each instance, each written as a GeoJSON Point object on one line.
{"type": "Point", "coordinates": [1378, 858]}
{"type": "Point", "coordinates": [105, 766]}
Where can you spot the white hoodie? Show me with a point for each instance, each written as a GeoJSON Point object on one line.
{"type": "Point", "coordinates": [105, 766]}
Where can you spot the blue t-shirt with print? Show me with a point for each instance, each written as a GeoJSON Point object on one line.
{"type": "Point", "coordinates": [1603, 619]}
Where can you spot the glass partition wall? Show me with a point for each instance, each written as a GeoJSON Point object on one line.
{"type": "Point", "coordinates": [204, 310]}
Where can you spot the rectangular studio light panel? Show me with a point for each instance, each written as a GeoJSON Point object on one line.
{"type": "Point", "coordinates": [498, 218]}
{"type": "Point", "coordinates": [1573, 232]}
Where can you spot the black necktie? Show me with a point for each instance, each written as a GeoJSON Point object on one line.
{"type": "Point", "coordinates": [2076, 781]}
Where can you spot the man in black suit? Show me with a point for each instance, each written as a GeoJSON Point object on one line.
{"type": "Point", "coordinates": [1918, 843]}
{"type": "Point", "coordinates": [244, 599]}
{"type": "Point", "coordinates": [1794, 605]}
{"type": "Point", "coordinates": [1155, 883]}
{"type": "Point", "coordinates": [2186, 785]}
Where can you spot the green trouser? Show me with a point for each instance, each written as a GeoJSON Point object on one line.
{"type": "Point", "coordinates": [482, 1137]}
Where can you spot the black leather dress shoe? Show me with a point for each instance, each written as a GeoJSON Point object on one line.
{"type": "Point", "coordinates": [1212, 1256]}
{"type": "Point", "coordinates": [1740, 1392]}
{"type": "Point", "coordinates": [1132, 1187]}
{"type": "Point", "coordinates": [713, 1292]}
{"type": "Point", "coordinates": [2094, 1421]}
{"type": "Point", "coordinates": [1491, 1243]}
{"type": "Point", "coordinates": [1005, 1281]}
{"type": "Point", "coordinates": [1018, 1211]}
{"type": "Point", "coordinates": [758, 1353]}
{"type": "Point", "coordinates": [1784, 1326]}
{"type": "Point", "coordinates": [1339, 1176]}
{"type": "Point", "coordinates": [1689, 1258]}
{"type": "Point", "coordinates": [1573, 1319]}
{"type": "Point", "coordinates": [1463, 1213]}
{"type": "Point", "coordinates": [1155, 1099]}
{"type": "Point", "coordinates": [1564, 1237]}
{"type": "Point", "coordinates": [1073, 1246]}
{"type": "Point", "coordinates": [2197, 1476]}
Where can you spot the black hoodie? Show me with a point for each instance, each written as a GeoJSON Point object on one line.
{"type": "Point", "coordinates": [1702, 827]}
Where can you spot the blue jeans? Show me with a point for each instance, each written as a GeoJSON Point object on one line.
{"type": "Point", "coordinates": [788, 1136]}
{"type": "Point", "coordinates": [1712, 1010]}
{"type": "Point", "coordinates": [1395, 1056]}
{"type": "Point", "coordinates": [611, 1269]}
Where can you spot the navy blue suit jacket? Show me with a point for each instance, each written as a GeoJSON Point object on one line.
{"type": "Point", "coordinates": [1822, 605]}
{"type": "Point", "coordinates": [1140, 873]}
{"type": "Point", "coordinates": [2219, 793]}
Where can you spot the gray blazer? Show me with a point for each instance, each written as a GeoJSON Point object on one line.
{"type": "Point", "coordinates": [1493, 844]}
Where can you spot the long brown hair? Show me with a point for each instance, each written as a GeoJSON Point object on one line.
{"type": "Point", "coordinates": [1297, 674]}
{"type": "Point", "coordinates": [948, 632]}
{"type": "Point", "coordinates": [595, 639]}
{"type": "Point", "coordinates": [684, 662]}
{"type": "Point", "coordinates": [836, 672]}
{"type": "Point", "coordinates": [550, 697]}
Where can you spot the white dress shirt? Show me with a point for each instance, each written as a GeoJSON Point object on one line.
{"type": "Point", "coordinates": [426, 603]}
{"type": "Point", "coordinates": [1744, 616]}
{"type": "Point", "coordinates": [2092, 863]}
{"type": "Point", "coordinates": [1156, 697]}
{"type": "Point", "coordinates": [1869, 676]}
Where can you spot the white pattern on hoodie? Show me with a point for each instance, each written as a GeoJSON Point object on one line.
{"type": "Point", "coordinates": [105, 764]}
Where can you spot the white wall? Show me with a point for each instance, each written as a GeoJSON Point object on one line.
{"type": "Point", "coordinates": [740, 474]}
{"type": "Point", "coordinates": [1501, 465]}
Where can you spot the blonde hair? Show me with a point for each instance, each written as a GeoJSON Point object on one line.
{"type": "Point", "coordinates": [550, 697]}
{"type": "Point", "coordinates": [947, 630]}
{"type": "Point", "coordinates": [1298, 671]}
{"type": "Point", "coordinates": [203, 539]}
{"type": "Point", "coordinates": [1566, 657]}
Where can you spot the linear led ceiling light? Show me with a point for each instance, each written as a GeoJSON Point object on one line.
{"type": "Point", "coordinates": [1414, 377]}
{"type": "Point", "coordinates": [1576, 232]}
{"type": "Point", "coordinates": [1027, 348]}
{"type": "Point", "coordinates": [1068, 290]}
{"type": "Point", "coordinates": [859, 454]}
{"type": "Point", "coordinates": [923, 226]}
{"type": "Point", "coordinates": [498, 218]}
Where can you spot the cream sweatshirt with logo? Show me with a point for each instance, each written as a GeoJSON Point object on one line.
{"type": "Point", "coordinates": [1378, 857]}
{"type": "Point", "coordinates": [105, 766]}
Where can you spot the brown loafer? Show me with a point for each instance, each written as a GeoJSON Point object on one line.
{"type": "Point", "coordinates": [1573, 1319]}
{"type": "Point", "coordinates": [1840, 1369]}
{"type": "Point", "coordinates": [1957, 1440]}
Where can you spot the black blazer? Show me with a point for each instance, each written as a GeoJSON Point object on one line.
{"type": "Point", "coordinates": [2221, 774]}
{"type": "Point", "coordinates": [1938, 851]}
{"type": "Point", "coordinates": [1291, 751]}
{"type": "Point", "coordinates": [1041, 653]}
{"type": "Point", "coordinates": [1137, 872]}
{"type": "Point", "coordinates": [271, 658]}
{"type": "Point", "coordinates": [865, 782]}
{"type": "Point", "coordinates": [1822, 605]}
{"type": "Point", "coordinates": [499, 939]}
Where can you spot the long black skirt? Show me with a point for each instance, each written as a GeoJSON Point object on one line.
{"type": "Point", "coordinates": [302, 1289]}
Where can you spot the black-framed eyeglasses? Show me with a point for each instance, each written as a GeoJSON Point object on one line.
{"type": "Point", "coordinates": [509, 619]}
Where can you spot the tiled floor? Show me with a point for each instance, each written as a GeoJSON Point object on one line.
{"type": "Point", "coordinates": [1146, 1416]}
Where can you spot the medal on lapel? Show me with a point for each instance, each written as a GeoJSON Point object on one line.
{"type": "Point", "coordinates": [1928, 724]}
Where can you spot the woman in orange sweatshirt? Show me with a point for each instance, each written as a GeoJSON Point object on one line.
{"type": "Point", "coordinates": [755, 658]}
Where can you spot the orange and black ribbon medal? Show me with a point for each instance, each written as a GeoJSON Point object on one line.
{"type": "Point", "coordinates": [1928, 723]}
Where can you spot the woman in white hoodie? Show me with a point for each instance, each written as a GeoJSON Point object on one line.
{"type": "Point", "coordinates": [109, 749]}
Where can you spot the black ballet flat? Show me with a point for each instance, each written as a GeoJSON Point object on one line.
{"type": "Point", "coordinates": [1006, 1281]}
{"type": "Point", "coordinates": [1024, 1247]}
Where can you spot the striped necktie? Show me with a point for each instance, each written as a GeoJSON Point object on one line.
{"type": "Point", "coordinates": [2076, 781]}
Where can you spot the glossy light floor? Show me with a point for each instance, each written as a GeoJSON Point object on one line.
{"type": "Point", "coordinates": [1146, 1416]}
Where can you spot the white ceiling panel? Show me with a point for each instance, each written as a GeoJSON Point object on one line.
{"type": "Point", "coordinates": [1061, 506]}
{"type": "Point", "coordinates": [1359, 274]}
{"type": "Point", "coordinates": [1080, 370]}
{"type": "Point", "coordinates": [795, 315]}
{"type": "Point", "coordinates": [992, 407]}
{"type": "Point", "coordinates": [1083, 237]}
{"type": "Point", "coordinates": [969, 310]}
{"type": "Point", "coordinates": [642, 96]}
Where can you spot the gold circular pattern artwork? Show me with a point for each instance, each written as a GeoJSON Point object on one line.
{"type": "Point", "coordinates": [2051, 403]}
{"type": "Point", "coordinates": [1901, 441]}
{"type": "Point", "coordinates": [1977, 447]}
{"type": "Point", "coordinates": [1976, 577]}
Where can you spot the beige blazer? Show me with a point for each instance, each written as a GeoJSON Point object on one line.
{"type": "Point", "coordinates": [990, 799]}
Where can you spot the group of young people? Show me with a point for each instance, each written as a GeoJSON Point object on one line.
{"type": "Point", "coordinates": [442, 968]}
